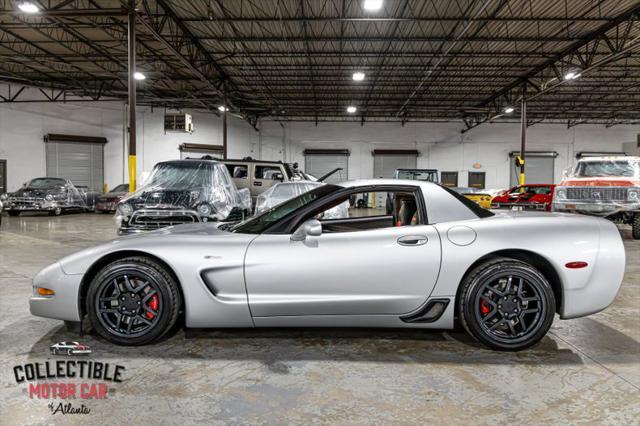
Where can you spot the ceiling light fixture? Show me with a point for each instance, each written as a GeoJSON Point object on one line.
{"type": "Point", "coordinates": [508, 110]}
{"type": "Point", "coordinates": [139, 76]}
{"type": "Point", "coordinates": [28, 7]}
{"type": "Point", "coordinates": [372, 4]}
{"type": "Point", "coordinates": [221, 108]}
{"type": "Point", "coordinates": [351, 109]}
{"type": "Point", "coordinates": [358, 76]}
{"type": "Point", "coordinates": [572, 75]}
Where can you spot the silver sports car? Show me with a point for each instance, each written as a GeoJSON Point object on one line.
{"type": "Point", "coordinates": [436, 257]}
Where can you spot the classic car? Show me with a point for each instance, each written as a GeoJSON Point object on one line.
{"type": "Point", "coordinates": [108, 202]}
{"type": "Point", "coordinates": [46, 194]}
{"type": "Point", "coordinates": [69, 348]}
{"type": "Point", "coordinates": [183, 191]}
{"type": "Point", "coordinates": [503, 276]}
{"type": "Point", "coordinates": [603, 186]}
{"type": "Point", "coordinates": [534, 196]}
{"type": "Point", "coordinates": [478, 196]}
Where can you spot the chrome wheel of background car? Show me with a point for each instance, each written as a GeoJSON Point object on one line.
{"type": "Point", "coordinates": [509, 307]}
{"type": "Point", "coordinates": [506, 304]}
{"type": "Point", "coordinates": [129, 303]}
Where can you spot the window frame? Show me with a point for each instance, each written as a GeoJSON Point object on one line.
{"type": "Point", "coordinates": [289, 224]}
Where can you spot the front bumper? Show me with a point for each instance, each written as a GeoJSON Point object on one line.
{"type": "Point", "coordinates": [105, 206]}
{"type": "Point", "coordinates": [593, 208]}
{"type": "Point", "coordinates": [526, 206]}
{"type": "Point", "coordinates": [64, 305]}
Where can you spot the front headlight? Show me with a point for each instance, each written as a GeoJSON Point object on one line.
{"type": "Point", "coordinates": [561, 194]}
{"type": "Point", "coordinates": [4, 196]}
{"type": "Point", "coordinates": [49, 197]}
{"type": "Point", "coordinates": [204, 210]}
{"type": "Point", "coordinates": [633, 194]}
{"type": "Point", "coordinates": [125, 209]}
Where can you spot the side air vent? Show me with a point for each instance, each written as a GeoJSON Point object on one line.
{"type": "Point", "coordinates": [431, 312]}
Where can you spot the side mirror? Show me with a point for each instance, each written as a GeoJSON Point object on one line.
{"type": "Point", "coordinates": [310, 228]}
{"type": "Point", "coordinates": [278, 176]}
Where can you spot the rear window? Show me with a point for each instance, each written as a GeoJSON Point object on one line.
{"type": "Point", "coordinates": [475, 208]}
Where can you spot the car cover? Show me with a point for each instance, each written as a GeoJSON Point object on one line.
{"type": "Point", "coordinates": [284, 191]}
{"type": "Point", "coordinates": [202, 186]}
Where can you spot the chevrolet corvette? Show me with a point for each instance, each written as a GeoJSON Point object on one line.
{"type": "Point", "coordinates": [435, 259]}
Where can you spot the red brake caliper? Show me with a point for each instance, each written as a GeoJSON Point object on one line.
{"type": "Point", "coordinates": [153, 304]}
{"type": "Point", "coordinates": [484, 307]}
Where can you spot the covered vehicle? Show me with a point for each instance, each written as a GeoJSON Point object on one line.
{"type": "Point", "coordinates": [284, 191]}
{"type": "Point", "coordinates": [47, 194]}
{"type": "Point", "coordinates": [535, 197]}
{"type": "Point", "coordinates": [437, 258]}
{"type": "Point", "coordinates": [603, 186]}
{"type": "Point", "coordinates": [108, 202]}
{"type": "Point", "coordinates": [478, 196]}
{"type": "Point", "coordinates": [183, 191]}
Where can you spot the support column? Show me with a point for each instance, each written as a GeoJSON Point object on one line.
{"type": "Point", "coordinates": [224, 125]}
{"type": "Point", "coordinates": [523, 137]}
{"type": "Point", "coordinates": [131, 69]}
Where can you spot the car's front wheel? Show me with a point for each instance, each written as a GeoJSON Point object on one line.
{"type": "Point", "coordinates": [635, 226]}
{"type": "Point", "coordinates": [506, 304]}
{"type": "Point", "coordinates": [133, 301]}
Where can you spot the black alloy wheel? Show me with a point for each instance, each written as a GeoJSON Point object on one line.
{"type": "Point", "coordinates": [133, 301]}
{"type": "Point", "coordinates": [507, 304]}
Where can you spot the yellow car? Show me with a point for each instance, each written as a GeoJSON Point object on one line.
{"type": "Point", "coordinates": [475, 195]}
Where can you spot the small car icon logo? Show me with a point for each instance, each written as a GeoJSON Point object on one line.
{"type": "Point", "coordinates": [70, 349]}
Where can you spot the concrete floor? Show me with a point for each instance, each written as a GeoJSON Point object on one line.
{"type": "Point", "coordinates": [585, 371]}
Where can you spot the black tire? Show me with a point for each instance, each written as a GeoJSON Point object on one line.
{"type": "Point", "coordinates": [55, 212]}
{"type": "Point", "coordinates": [143, 269]}
{"type": "Point", "coordinates": [69, 352]}
{"type": "Point", "coordinates": [13, 213]}
{"type": "Point", "coordinates": [635, 226]}
{"type": "Point", "coordinates": [480, 314]}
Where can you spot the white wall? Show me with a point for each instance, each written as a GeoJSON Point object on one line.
{"type": "Point", "coordinates": [442, 146]}
{"type": "Point", "coordinates": [23, 125]}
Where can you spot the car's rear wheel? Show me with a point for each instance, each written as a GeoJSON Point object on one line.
{"type": "Point", "coordinates": [506, 304]}
{"type": "Point", "coordinates": [133, 301]}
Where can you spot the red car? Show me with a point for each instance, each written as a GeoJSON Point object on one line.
{"type": "Point", "coordinates": [537, 197]}
{"type": "Point", "coordinates": [108, 202]}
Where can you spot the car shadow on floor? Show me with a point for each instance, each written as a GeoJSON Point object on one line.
{"type": "Point", "coordinates": [277, 346]}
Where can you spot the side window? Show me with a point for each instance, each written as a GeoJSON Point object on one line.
{"type": "Point", "coordinates": [238, 171]}
{"type": "Point", "coordinates": [267, 172]}
{"type": "Point", "coordinates": [360, 212]}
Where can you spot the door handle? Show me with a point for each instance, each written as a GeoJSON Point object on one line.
{"type": "Point", "coordinates": [413, 240]}
{"type": "Point", "coordinates": [257, 183]}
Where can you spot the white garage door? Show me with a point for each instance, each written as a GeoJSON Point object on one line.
{"type": "Point", "coordinates": [538, 169]}
{"type": "Point", "coordinates": [80, 162]}
{"type": "Point", "coordinates": [194, 150]}
{"type": "Point", "coordinates": [318, 164]}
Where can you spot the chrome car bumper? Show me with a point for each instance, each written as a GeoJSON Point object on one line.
{"type": "Point", "coordinates": [64, 304]}
{"type": "Point", "coordinates": [592, 207]}
{"type": "Point", "coordinates": [526, 206]}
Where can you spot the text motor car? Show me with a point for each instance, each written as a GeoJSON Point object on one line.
{"type": "Point", "coordinates": [603, 186]}
{"type": "Point", "coordinates": [536, 197]}
{"type": "Point", "coordinates": [47, 194]}
{"type": "Point", "coordinates": [183, 191]}
{"type": "Point", "coordinates": [504, 276]}
{"type": "Point", "coordinates": [108, 202]}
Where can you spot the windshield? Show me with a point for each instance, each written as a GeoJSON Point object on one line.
{"type": "Point", "coordinates": [46, 183]}
{"type": "Point", "coordinates": [423, 175]}
{"type": "Point", "coordinates": [538, 190]}
{"type": "Point", "coordinates": [180, 175]}
{"type": "Point", "coordinates": [607, 169]}
{"type": "Point", "coordinates": [121, 188]}
{"type": "Point", "coordinates": [262, 222]}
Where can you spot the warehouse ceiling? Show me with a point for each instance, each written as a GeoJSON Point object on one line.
{"type": "Point", "coordinates": [450, 60]}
